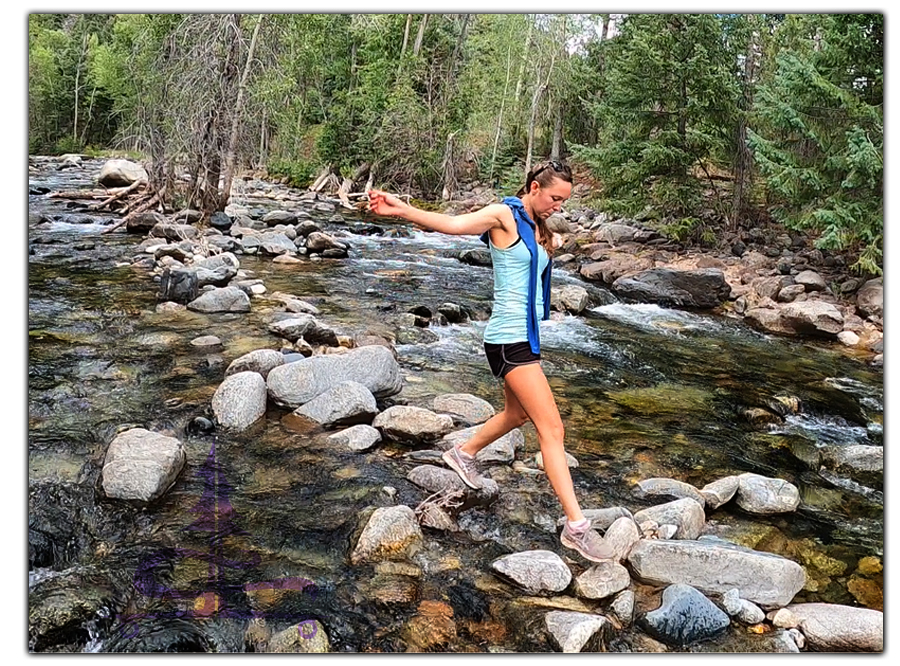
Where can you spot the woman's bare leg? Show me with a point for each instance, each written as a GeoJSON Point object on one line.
{"type": "Point", "coordinates": [531, 390]}
{"type": "Point", "coordinates": [498, 425]}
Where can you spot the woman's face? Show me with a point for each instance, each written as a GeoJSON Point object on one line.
{"type": "Point", "coordinates": [548, 199]}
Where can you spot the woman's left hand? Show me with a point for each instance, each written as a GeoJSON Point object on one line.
{"type": "Point", "coordinates": [382, 203]}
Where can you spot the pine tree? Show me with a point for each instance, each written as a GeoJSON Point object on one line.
{"type": "Point", "coordinates": [818, 134]}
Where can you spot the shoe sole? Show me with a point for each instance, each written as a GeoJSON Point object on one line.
{"type": "Point", "coordinates": [451, 463]}
{"type": "Point", "coordinates": [574, 546]}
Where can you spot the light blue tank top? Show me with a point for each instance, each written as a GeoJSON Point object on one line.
{"type": "Point", "coordinates": [508, 322]}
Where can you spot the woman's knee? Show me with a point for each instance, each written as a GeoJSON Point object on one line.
{"type": "Point", "coordinates": [516, 417]}
{"type": "Point", "coordinates": [552, 433]}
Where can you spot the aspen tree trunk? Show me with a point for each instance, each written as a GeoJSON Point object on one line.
{"type": "Point", "coordinates": [236, 121]}
{"type": "Point", "coordinates": [500, 115]}
{"type": "Point", "coordinates": [420, 36]}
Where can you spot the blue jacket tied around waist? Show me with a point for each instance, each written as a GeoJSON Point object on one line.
{"type": "Point", "coordinates": [526, 226]}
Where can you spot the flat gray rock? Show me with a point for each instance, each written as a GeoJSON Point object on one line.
{"type": "Point", "coordinates": [837, 628]}
{"type": "Point", "coordinates": [344, 404]}
{"type": "Point", "coordinates": [764, 495]}
{"type": "Point", "coordinates": [687, 514]}
{"type": "Point", "coordinates": [536, 571]}
{"type": "Point", "coordinates": [715, 567]}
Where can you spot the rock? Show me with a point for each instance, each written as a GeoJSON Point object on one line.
{"type": "Point", "coordinates": [501, 450]}
{"type": "Point", "coordinates": [870, 298]}
{"type": "Point", "coordinates": [412, 424]}
{"type": "Point", "coordinates": [811, 281]}
{"type": "Point", "coordinates": [720, 491]}
{"type": "Point", "coordinates": [173, 231]}
{"type": "Point", "coordinates": [703, 288]}
{"type": "Point", "coordinates": [294, 384]}
{"type": "Point", "coordinates": [357, 438]}
{"type": "Point", "coordinates": [142, 223]}
{"type": "Point", "coordinates": [320, 242]}
{"type": "Point", "coordinates": [570, 631]}
{"type": "Point", "coordinates": [602, 580]}
{"type": "Point", "coordinates": [259, 360]}
{"type": "Point", "coordinates": [141, 465]}
{"type": "Point", "coordinates": [60, 607]}
{"type": "Point", "coordinates": [622, 607]}
{"type": "Point", "coordinates": [569, 298]}
{"type": "Point", "coordinates": [790, 293]}
{"type": "Point", "coordinates": [848, 338]}
{"type": "Point", "coordinates": [610, 270]}
{"type": "Point", "coordinates": [120, 173]}
{"type": "Point", "coordinates": [662, 487]}
{"type": "Point", "coordinates": [206, 341]}
{"type": "Point", "coordinates": [454, 313]}
{"type": "Point", "coordinates": [277, 217]}
{"type": "Point", "coordinates": [622, 536]}
{"type": "Point", "coordinates": [685, 617]}
{"type": "Point", "coordinates": [179, 285]}
{"type": "Point", "coordinates": [276, 244]}
{"type": "Point", "coordinates": [390, 533]}
{"type": "Point", "coordinates": [536, 571]}
{"type": "Point", "coordinates": [307, 327]}
{"type": "Point", "coordinates": [226, 299]}
{"type": "Point", "coordinates": [346, 403]}
{"type": "Point", "coordinates": [430, 628]}
{"type": "Point", "coordinates": [240, 400]}
{"type": "Point", "coordinates": [469, 407]}
{"type": "Point", "coordinates": [799, 318]}
{"type": "Point", "coordinates": [308, 636]}
{"type": "Point", "coordinates": [854, 457]}
{"type": "Point", "coordinates": [614, 234]}
{"type": "Point", "coordinates": [477, 257]}
{"type": "Point", "coordinates": [715, 566]}
{"type": "Point", "coordinates": [762, 495]}
{"type": "Point", "coordinates": [686, 513]}
{"type": "Point", "coordinates": [836, 628]}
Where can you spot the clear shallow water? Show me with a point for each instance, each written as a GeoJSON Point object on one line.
{"type": "Point", "coordinates": [644, 391]}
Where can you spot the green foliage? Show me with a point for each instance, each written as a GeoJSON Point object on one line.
{"type": "Point", "coordinates": [818, 133]}
{"type": "Point", "coordinates": [669, 104]}
{"type": "Point", "coordinates": [298, 173]}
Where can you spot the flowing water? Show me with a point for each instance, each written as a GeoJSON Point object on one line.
{"type": "Point", "coordinates": [258, 528]}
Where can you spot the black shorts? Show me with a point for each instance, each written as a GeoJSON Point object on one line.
{"type": "Point", "coordinates": [505, 357]}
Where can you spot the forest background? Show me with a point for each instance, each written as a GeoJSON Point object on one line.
{"type": "Point", "coordinates": [696, 124]}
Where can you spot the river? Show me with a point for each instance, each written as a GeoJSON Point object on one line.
{"type": "Point", "coordinates": [644, 392]}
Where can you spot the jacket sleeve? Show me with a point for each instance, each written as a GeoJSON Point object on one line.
{"type": "Point", "coordinates": [545, 280]}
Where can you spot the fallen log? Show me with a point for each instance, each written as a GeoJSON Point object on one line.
{"type": "Point", "coordinates": [118, 195]}
{"type": "Point", "coordinates": [146, 205]}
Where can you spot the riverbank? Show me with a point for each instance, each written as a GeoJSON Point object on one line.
{"type": "Point", "coordinates": [777, 281]}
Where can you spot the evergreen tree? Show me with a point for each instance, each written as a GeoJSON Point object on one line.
{"type": "Point", "coordinates": [818, 136]}
{"type": "Point", "coordinates": [667, 113]}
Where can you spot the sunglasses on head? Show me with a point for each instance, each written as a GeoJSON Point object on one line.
{"type": "Point", "coordinates": [558, 167]}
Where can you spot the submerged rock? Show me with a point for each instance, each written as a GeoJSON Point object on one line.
{"type": "Point", "coordinates": [390, 533]}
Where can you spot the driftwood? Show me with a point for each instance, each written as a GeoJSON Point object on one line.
{"type": "Point", "coordinates": [118, 195]}
{"type": "Point", "coordinates": [142, 206]}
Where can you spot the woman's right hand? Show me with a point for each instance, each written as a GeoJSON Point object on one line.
{"type": "Point", "coordinates": [382, 203]}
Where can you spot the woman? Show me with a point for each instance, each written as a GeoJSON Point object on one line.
{"type": "Point", "coordinates": [521, 245]}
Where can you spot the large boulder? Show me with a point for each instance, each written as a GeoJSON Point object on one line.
{"type": "Point", "coordinates": [120, 173]}
{"type": "Point", "coordinates": [346, 403]}
{"type": "Point", "coordinates": [716, 566]}
{"type": "Point", "coordinates": [295, 384]}
{"type": "Point", "coordinates": [141, 465]}
{"type": "Point", "coordinates": [870, 298]}
{"type": "Point", "coordinates": [240, 400]}
{"type": "Point", "coordinates": [536, 571]}
{"type": "Point", "coordinates": [412, 424]}
{"type": "Point", "coordinates": [703, 288]}
{"type": "Point", "coordinates": [816, 318]}
{"type": "Point", "coordinates": [610, 270]}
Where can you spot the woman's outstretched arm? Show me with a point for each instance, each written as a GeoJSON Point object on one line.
{"type": "Point", "coordinates": [475, 223]}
